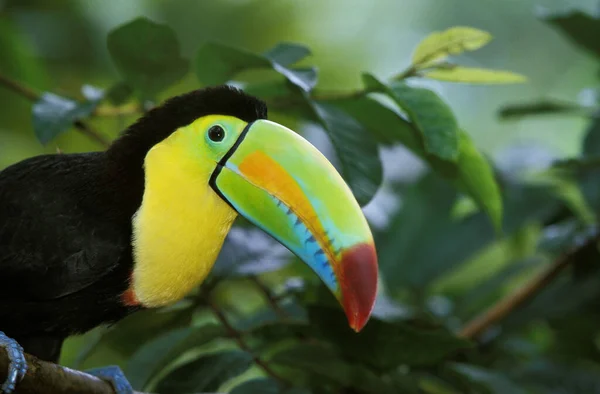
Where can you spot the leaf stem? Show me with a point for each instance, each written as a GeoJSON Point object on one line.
{"type": "Point", "coordinates": [238, 337]}
{"type": "Point", "coordinates": [34, 96]}
{"type": "Point", "coordinates": [504, 307]}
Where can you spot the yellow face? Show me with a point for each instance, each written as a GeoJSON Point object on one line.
{"type": "Point", "coordinates": [180, 227]}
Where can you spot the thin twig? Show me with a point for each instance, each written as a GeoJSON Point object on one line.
{"type": "Point", "coordinates": [21, 89]}
{"type": "Point", "coordinates": [237, 336]}
{"type": "Point", "coordinates": [44, 377]}
{"type": "Point", "coordinates": [504, 307]}
{"type": "Point", "coordinates": [91, 133]}
{"type": "Point", "coordinates": [269, 297]}
{"type": "Point", "coordinates": [32, 95]}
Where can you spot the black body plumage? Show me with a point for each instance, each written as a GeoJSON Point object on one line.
{"type": "Point", "coordinates": [65, 225]}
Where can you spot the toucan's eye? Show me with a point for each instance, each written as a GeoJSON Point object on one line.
{"type": "Point", "coordinates": [216, 133]}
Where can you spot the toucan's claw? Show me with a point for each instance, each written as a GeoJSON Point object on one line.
{"type": "Point", "coordinates": [114, 376]}
{"type": "Point", "coordinates": [17, 367]}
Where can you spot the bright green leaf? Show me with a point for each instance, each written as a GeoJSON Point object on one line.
{"type": "Point", "coordinates": [475, 177]}
{"type": "Point", "coordinates": [378, 344]}
{"type": "Point", "coordinates": [205, 374]}
{"type": "Point", "coordinates": [147, 55]}
{"type": "Point", "coordinates": [456, 40]}
{"type": "Point", "coordinates": [217, 63]}
{"type": "Point", "coordinates": [473, 75]}
{"type": "Point", "coordinates": [163, 350]}
{"type": "Point", "coordinates": [53, 114]}
{"type": "Point", "coordinates": [351, 140]}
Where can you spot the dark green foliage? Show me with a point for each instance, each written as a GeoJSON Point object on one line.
{"type": "Point", "coordinates": [147, 55]}
{"type": "Point", "coordinates": [466, 234]}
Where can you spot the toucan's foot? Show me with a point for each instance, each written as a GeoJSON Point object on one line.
{"type": "Point", "coordinates": [17, 366]}
{"type": "Point", "coordinates": [114, 376]}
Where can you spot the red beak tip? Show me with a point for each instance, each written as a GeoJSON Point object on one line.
{"type": "Point", "coordinates": [359, 287]}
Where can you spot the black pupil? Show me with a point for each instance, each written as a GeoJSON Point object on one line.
{"type": "Point", "coordinates": [216, 133]}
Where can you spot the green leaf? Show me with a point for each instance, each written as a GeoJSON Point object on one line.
{"type": "Point", "coordinates": [462, 74]}
{"type": "Point", "coordinates": [432, 117]}
{"type": "Point", "coordinates": [579, 27]}
{"type": "Point", "coordinates": [255, 386]}
{"type": "Point", "coordinates": [385, 124]}
{"type": "Point", "coordinates": [406, 257]}
{"type": "Point", "coordinates": [147, 55]}
{"type": "Point", "coordinates": [119, 93]}
{"type": "Point", "coordinates": [487, 382]}
{"type": "Point", "coordinates": [163, 350]}
{"type": "Point", "coordinates": [591, 142]}
{"type": "Point", "coordinates": [551, 377]}
{"type": "Point", "coordinates": [475, 176]}
{"type": "Point", "coordinates": [126, 338]}
{"type": "Point", "coordinates": [205, 374]}
{"type": "Point", "coordinates": [456, 40]}
{"type": "Point", "coordinates": [351, 141]}
{"type": "Point", "coordinates": [286, 54]}
{"type": "Point", "coordinates": [54, 114]}
{"type": "Point", "coordinates": [217, 63]}
{"type": "Point", "coordinates": [470, 172]}
{"type": "Point", "coordinates": [378, 344]}
{"type": "Point", "coordinates": [542, 107]}
{"type": "Point", "coordinates": [321, 362]}
{"type": "Point", "coordinates": [561, 184]}
{"type": "Point", "coordinates": [428, 112]}
{"type": "Point", "coordinates": [265, 386]}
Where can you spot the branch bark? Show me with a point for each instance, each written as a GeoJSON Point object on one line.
{"type": "Point", "coordinates": [44, 377]}
{"type": "Point", "coordinates": [505, 306]}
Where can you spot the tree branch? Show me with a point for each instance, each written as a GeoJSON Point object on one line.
{"type": "Point", "coordinates": [237, 336]}
{"type": "Point", "coordinates": [44, 377]}
{"type": "Point", "coordinates": [269, 297]}
{"type": "Point", "coordinates": [34, 96]}
{"type": "Point", "coordinates": [504, 307]}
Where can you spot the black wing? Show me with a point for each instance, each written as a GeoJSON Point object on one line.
{"type": "Point", "coordinates": [60, 229]}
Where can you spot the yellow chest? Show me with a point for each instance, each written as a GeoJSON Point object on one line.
{"type": "Point", "coordinates": [179, 228]}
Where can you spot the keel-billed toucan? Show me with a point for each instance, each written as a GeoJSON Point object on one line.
{"type": "Point", "coordinates": [89, 238]}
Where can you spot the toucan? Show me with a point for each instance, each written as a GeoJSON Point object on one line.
{"type": "Point", "coordinates": [86, 239]}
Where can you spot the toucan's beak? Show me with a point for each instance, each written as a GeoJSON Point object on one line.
{"type": "Point", "coordinates": [284, 185]}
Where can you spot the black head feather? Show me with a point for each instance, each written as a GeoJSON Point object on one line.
{"type": "Point", "coordinates": [179, 111]}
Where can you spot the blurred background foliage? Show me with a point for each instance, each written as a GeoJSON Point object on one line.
{"type": "Point", "coordinates": [462, 220]}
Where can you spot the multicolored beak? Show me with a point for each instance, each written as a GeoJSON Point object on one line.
{"type": "Point", "coordinates": [280, 182]}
